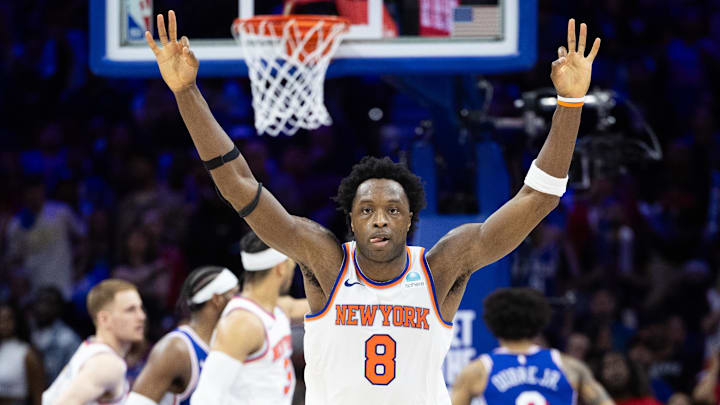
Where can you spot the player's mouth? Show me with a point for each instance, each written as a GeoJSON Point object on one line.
{"type": "Point", "coordinates": [379, 241]}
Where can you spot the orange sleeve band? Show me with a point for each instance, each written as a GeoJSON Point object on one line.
{"type": "Point", "coordinates": [571, 105]}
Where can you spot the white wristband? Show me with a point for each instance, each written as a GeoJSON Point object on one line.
{"type": "Point", "coordinates": [571, 100]}
{"type": "Point", "coordinates": [545, 183]}
{"type": "Point", "coordinates": [139, 399]}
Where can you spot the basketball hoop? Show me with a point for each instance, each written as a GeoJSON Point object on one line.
{"type": "Point", "coordinates": [287, 57]}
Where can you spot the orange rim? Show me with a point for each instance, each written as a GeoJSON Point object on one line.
{"type": "Point", "coordinates": [305, 23]}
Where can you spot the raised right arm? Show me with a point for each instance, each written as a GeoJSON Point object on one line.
{"type": "Point", "coordinates": [304, 241]}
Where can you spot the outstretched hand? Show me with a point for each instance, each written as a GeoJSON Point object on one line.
{"type": "Point", "coordinates": [178, 65]}
{"type": "Point", "coordinates": [572, 70]}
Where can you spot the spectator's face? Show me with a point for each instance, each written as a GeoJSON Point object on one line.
{"type": "Point", "coordinates": [380, 219]}
{"type": "Point", "coordinates": [47, 308]}
{"type": "Point", "coordinates": [137, 243]}
{"type": "Point", "coordinates": [615, 371]}
{"type": "Point", "coordinates": [679, 399]}
{"type": "Point", "coordinates": [125, 316]}
{"type": "Point", "coordinates": [7, 322]}
{"type": "Point", "coordinates": [578, 346]}
{"type": "Point", "coordinates": [603, 303]}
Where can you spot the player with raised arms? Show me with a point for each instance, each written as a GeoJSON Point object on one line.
{"type": "Point", "coordinates": [173, 368]}
{"type": "Point", "coordinates": [96, 372]}
{"type": "Point", "coordinates": [520, 372]}
{"type": "Point", "coordinates": [381, 309]}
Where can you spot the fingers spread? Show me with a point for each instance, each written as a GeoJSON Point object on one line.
{"type": "Point", "coordinates": [581, 41]}
{"type": "Point", "coordinates": [149, 39]}
{"type": "Point", "coordinates": [172, 26]}
{"type": "Point", "coordinates": [571, 35]}
{"type": "Point", "coordinates": [161, 29]}
{"type": "Point", "coordinates": [594, 50]}
{"type": "Point", "coordinates": [562, 52]}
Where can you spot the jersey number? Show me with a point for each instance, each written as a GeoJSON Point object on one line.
{"type": "Point", "coordinates": [531, 398]}
{"type": "Point", "coordinates": [380, 359]}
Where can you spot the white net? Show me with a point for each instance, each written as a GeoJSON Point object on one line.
{"type": "Point", "coordinates": [287, 64]}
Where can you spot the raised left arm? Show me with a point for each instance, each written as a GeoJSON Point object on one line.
{"type": "Point", "coordinates": [473, 246]}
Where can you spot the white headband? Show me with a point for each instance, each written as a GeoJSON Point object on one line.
{"type": "Point", "coordinates": [224, 282]}
{"type": "Point", "coordinates": [263, 260]}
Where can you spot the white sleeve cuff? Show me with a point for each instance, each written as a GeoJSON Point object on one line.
{"type": "Point", "coordinates": [545, 183]}
{"type": "Point", "coordinates": [139, 399]}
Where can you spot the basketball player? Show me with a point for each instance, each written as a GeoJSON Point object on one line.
{"type": "Point", "coordinates": [519, 372]}
{"type": "Point", "coordinates": [96, 372]}
{"type": "Point", "coordinates": [380, 325]}
{"type": "Point", "coordinates": [249, 360]}
{"type": "Point", "coordinates": [173, 368]}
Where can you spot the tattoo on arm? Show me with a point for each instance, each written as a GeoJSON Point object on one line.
{"type": "Point", "coordinates": [588, 388]}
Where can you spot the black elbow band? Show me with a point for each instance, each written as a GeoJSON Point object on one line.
{"type": "Point", "coordinates": [221, 160]}
{"type": "Point", "coordinates": [253, 204]}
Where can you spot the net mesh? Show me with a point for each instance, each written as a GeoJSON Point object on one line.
{"type": "Point", "coordinates": [287, 60]}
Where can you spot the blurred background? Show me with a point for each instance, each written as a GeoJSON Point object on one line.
{"type": "Point", "coordinates": [99, 178]}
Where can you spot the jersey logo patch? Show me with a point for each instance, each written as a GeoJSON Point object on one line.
{"type": "Point", "coordinates": [349, 284]}
{"type": "Point", "coordinates": [413, 280]}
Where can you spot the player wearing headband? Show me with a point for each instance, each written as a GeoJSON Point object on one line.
{"type": "Point", "coordinates": [249, 360]}
{"type": "Point", "coordinates": [173, 369]}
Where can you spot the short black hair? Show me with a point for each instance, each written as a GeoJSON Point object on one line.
{"type": "Point", "coordinates": [198, 278]}
{"type": "Point", "coordinates": [251, 243]}
{"type": "Point", "coordinates": [516, 313]}
{"type": "Point", "coordinates": [373, 168]}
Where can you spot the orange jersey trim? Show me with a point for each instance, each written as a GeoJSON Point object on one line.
{"type": "Point", "coordinates": [336, 287]}
{"type": "Point", "coordinates": [431, 290]}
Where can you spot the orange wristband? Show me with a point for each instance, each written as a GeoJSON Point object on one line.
{"type": "Point", "coordinates": [570, 102]}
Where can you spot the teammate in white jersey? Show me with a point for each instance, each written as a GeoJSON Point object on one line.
{"type": "Point", "coordinates": [173, 368]}
{"type": "Point", "coordinates": [96, 372]}
{"type": "Point", "coordinates": [249, 361]}
{"type": "Point", "coordinates": [382, 201]}
{"type": "Point", "coordinates": [519, 372]}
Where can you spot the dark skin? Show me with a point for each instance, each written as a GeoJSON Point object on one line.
{"type": "Point", "coordinates": [317, 251]}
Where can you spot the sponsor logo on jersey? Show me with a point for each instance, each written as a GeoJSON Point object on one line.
{"type": "Point", "coordinates": [413, 279]}
{"type": "Point", "coordinates": [392, 315]}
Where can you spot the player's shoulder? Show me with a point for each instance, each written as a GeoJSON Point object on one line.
{"type": "Point", "coordinates": [104, 366]}
{"type": "Point", "coordinates": [171, 348]}
{"type": "Point", "coordinates": [241, 319]}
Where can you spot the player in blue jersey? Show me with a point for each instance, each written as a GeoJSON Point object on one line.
{"type": "Point", "coordinates": [173, 369]}
{"type": "Point", "coordinates": [520, 372]}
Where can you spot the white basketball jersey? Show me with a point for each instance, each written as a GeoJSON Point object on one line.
{"type": "Point", "coordinates": [268, 376]}
{"type": "Point", "coordinates": [87, 349]}
{"type": "Point", "coordinates": [378, 343]}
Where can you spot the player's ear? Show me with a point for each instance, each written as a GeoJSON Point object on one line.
{"type": "Point", "coordinates": [409, 222]}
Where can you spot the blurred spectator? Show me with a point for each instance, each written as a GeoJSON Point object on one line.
{"type": "Point", "coordinates": [22, 378]}
{"type": "Point", "coordinates": [52, 337]}
{"type": "Point", "coordinates": [624, 381]}
{"type": "Point", "coordinates": [39, 239]}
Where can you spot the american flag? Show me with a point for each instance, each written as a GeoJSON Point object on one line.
{"type": "Point", "coordinates": [477, 21]}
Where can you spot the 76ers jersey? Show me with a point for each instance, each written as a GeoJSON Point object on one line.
{"type": "Point", "coordinates": [524, 379]}
{"type": "Point", "coordinates": [87, 349]}
{"type": "Point", "coordinates": [198, 351]}
{"type": "Point", "coordinates": [378, 343]}
{"type": "Point", "coordinates": [268, 376]}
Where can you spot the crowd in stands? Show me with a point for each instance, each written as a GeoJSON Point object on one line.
{"type": "Point", "coordinates": [99, 179]}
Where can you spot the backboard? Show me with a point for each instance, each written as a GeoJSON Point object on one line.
{"type": "Point", "coordinates": [387, 36]}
